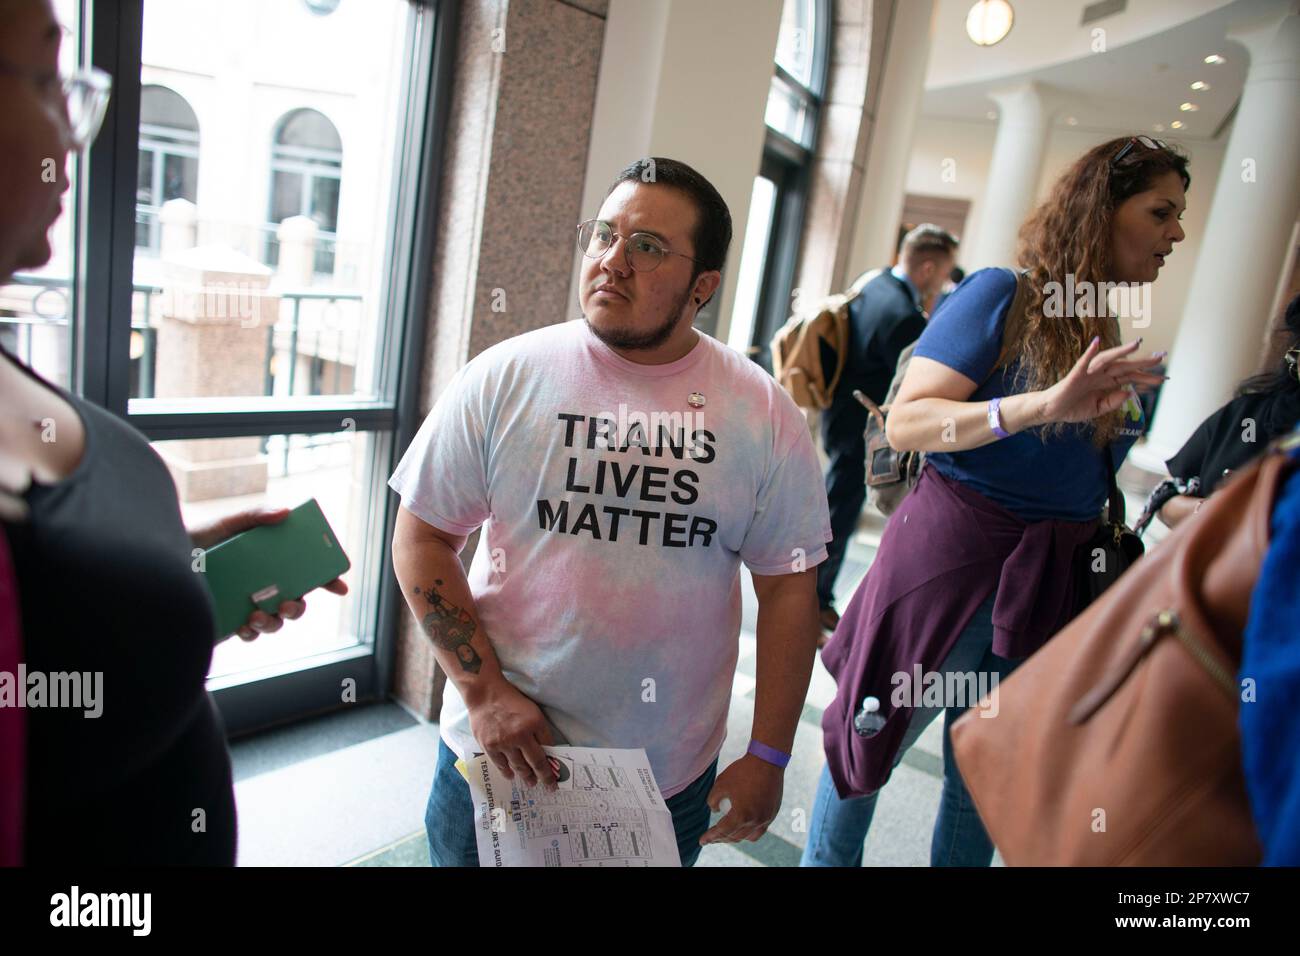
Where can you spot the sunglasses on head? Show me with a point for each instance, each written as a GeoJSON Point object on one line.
{"type": "Point", "coordinates": [1147, 143]}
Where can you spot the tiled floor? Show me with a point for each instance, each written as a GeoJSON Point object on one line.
{"type": "Point", "coordinates": [350, 788]}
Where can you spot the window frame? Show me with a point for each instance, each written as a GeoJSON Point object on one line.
{"type": "Point", "coordinates": [101, 364]}
{"type": "Point", "coordinates": [788, 164]}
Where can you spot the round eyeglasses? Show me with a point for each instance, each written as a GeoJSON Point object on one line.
{"type": "Point", "coordinates": [82, 98]}
{"type": "Point", "coordinates": [87, 93]}
{"type": "Point", "coordinates": [644, 252]}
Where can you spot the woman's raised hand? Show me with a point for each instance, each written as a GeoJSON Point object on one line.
{"type": "Point", "coordinates": [1101, 382]}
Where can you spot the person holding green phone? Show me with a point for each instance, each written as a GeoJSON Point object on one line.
{"type": "Point", "coordinates": [101, 555]}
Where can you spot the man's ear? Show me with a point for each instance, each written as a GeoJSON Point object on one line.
{"type": "Point", "coordinates": [706, 283]}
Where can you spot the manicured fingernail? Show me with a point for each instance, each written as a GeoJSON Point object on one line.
{"type": "Point", "coordinates": [1160, 355]}
{"type": "Point", "coordinates": [1095, 340]}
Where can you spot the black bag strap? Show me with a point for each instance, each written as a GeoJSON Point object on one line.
{"type": "Point", "coordinates": [1115, 498]}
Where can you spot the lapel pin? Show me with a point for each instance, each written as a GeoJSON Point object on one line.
{"type": "Point", "coordinates": [695, 400]}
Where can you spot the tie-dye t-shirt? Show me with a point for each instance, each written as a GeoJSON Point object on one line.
{"type": "Point", "coordinates": [617, 501]}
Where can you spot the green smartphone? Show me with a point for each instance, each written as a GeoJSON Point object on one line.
{"type": "Point", "coordinates": [263, 566]}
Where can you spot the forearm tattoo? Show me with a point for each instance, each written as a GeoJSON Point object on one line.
{"type": "Point", "coordinates": [450, 628]}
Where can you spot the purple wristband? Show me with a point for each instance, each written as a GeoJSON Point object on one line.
{"type": "Point", "coordinates": [773, 756]}
{"type": "Point", "coordinates": [995, 418]}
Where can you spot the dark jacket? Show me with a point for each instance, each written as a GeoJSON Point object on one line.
{"type": "Point", "coordinates": [883, 320]}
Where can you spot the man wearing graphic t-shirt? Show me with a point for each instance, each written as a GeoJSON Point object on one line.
{"type": "Point", "coordinates": [621, 466]}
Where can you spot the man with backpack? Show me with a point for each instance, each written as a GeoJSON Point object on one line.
{"type": "Point", "coordinates": [885, 317]}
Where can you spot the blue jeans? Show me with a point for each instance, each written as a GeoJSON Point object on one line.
{"type": "Point", "coordinates": [839, 828]}
{"type": "Point", "coordinates": [449, 816]}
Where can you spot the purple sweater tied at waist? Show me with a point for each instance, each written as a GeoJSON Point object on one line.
{"type": "Point", "coordinates": [944, 551]}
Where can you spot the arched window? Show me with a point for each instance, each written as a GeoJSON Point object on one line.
{"type": "Point", "coordinates": [169, 159]}
{"type": "Point", "coordinates": [306, 169]}
{"type": "Point", "coordinates": [776, 211]}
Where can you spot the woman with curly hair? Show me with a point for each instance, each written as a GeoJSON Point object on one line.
{"type": "Point", "coordinates": [1020, 415]}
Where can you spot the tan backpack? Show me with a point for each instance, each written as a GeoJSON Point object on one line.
{"type": "Point", "coordinates": [798, 348]}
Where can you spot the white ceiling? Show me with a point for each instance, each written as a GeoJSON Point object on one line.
{"type": "Point", "coordinates": [1154, 51]}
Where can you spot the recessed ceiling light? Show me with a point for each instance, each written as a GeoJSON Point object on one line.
{"type": "Point", "coordinates": [1215, 59]}
{"type": "Point", "coordinates": [1189, 107]}
{"type": "Point", "coordinates": [1176, 124]}
{"type": "Point", "coordinates": [1158, 128]}
{"type": "Point", "coordinates": [1200, 85]}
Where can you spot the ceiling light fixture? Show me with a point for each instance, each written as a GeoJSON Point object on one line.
{"type": "Point", "coordinates": [1189, 107]}
{"type": "Point", "coordinates": [1176, 124]}
{"type": "Point", "coordinates": [989, 21]}
{"type": "Point", "coordinates": [1214, 59]}
{"type": "Point", "coordinates": [1200, 86]}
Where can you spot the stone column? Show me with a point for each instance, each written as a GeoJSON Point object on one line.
{"type": "Point", "coordinates": [1024, 121]}
{"type": "Point", "coordinates": [884, 180]}
{"type": "Point", "coordinates": [178, 220]}
{"type": "Point", "coordinates": [297, 261]}
{"type": "Point", "coordinates": [1232, 295]}
{"type": "Point", "coordinates": [523, 89]}
{"type": "Point", "coordinates": [295, 269]}
{"type": "Point", "coordinates": [212, 342]}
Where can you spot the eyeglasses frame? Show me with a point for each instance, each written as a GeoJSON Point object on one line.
{"type": "Point", "coordinates": [626, 241]}
{"type": "Point", "coordinates": [96, 80]}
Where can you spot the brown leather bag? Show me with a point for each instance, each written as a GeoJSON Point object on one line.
{"type": "Point", "coordinates": [1117, 743]}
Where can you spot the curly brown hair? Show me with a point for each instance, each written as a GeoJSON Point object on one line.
{"type": "Point", "coordinates": [1070, 233]}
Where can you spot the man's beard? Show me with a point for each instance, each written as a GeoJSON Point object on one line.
{"type": "Point", "coordinates": [632, 342]}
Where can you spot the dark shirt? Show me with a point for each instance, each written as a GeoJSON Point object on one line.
{"type": "Point", "coordinates": [13, 727]}
{"type": "Point", "coordinates": [105, 585]}
{"type": "Point", "coordinates": [1234, 435]}
{"type": "Point", "coordinates": [883, 320]}
{"type": "Point", "coordinates": [1060, 477]}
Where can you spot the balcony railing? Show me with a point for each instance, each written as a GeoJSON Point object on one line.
{"type": "Point", "coordinates": [26, 303]}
